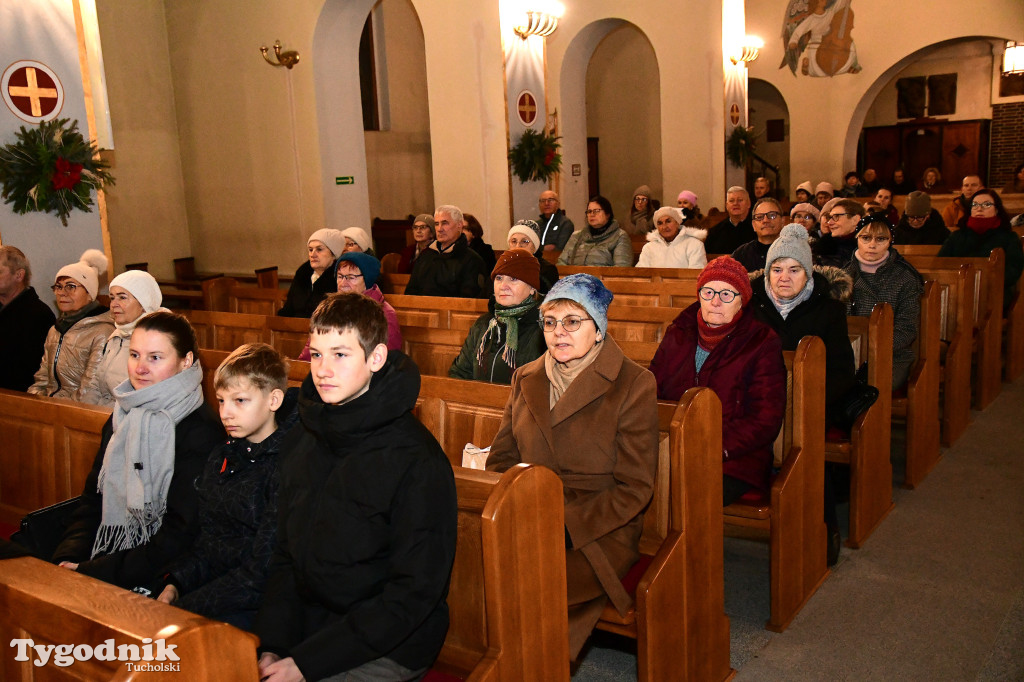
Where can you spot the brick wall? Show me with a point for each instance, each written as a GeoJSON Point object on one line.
{"type": "Point", "coordinates": [1007, 148]}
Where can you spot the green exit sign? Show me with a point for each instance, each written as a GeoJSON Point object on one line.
{"type": "Point", "coordinates": [345, 180]}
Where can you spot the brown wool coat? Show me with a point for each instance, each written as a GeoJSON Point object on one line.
{"type": "Point", "coordinates": [601, 439]}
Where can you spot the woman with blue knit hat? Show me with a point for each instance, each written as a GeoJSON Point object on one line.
{"type": "Point", "coordinates": [588, 413]}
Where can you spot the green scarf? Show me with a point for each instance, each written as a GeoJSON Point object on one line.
{"type": "Point", "coordinates": [508, 316]}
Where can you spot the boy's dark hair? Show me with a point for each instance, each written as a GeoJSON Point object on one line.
{"type": "Point", "coordinates": [257, 363]}
{"type": "Point", "coordinates": [341, 312]}
{"type": "Point", "coordinates": [175, 326]}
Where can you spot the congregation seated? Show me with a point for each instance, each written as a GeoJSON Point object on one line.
{"type": "Point", "coordinates": [640, 218]}
{"type": "Point", "coordinates": [133, 294]}
{"type": "Point", "coordinates": [767, 219]}
{"type": "Point", "coordinates": [881, 275]}
{"type": "Point", "coordinates": [823, 193]}
{"type": "Point", "coordinates": [315, 278]}
{"type": "Point", "coordinates": [870, 181]}
{"type": "Point", "coordinates": [900, 184]}
{"type": "Point", "coordinates": [804, 193]}
{"type": "Point", "coordinates": [852, 187]}
{"type": "Point", "coordinates": [474, 232]}
{"type": "Point", "coordinates": [74, 344]}
{"type": "Point", "coordinates": [357, 239]}
{"type": "Point", "coordinates": [1016, 184]}
{"type": "Point", "coordinates": [423, 237]}
{"type": "Point", "coordinates": [138, 508]}
{"type": "Point", "coordinates": [589, 414]}
{"type": "Point", "coordinates": [960, 207]}
{"type": "Point", "coordinates": [883, 197]}
{"type": "Point", "coordinates": [717, 343]}
{"type": "Point", "coordinates": [523, 235]}
{"type": "Point", "coordinates": [931, 181]}
{"type": "Point", "coordinates": [602, 242]}
{"type": "Point", "coordinates": [808, 216]}
{"type": "Point", "coordinates": [508, 335]}
{"type": "Point", "coordinates": [762, 189]}
{"type": "Point", "coordinates": [448, 267]}
{"type": "Point", "coordinates": [736, 229]}
{"type": "Point", "coordinates": [920, 224]}
{"type": "Point", "coordinates": [25, 321]}
{"type": "Point", "coordinates": [687, 204]}
{"type": "Point", "coordinates": [553, 227]}
{"type": "Point", "coordinates": [671, 245]}
{"type": "Point", "coordinates": [837, 246]}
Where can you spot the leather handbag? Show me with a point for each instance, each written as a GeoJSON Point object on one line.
{"type": "Point", "coordinates": [41, 531]}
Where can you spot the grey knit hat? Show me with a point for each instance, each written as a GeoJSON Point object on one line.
{"type": "Point", "coordinates": [589, 292]}
{"type": "Point", "coordinates": [792, 243]}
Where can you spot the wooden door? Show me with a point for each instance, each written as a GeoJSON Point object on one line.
{"type": "Point", "coordinates": [964, 152]}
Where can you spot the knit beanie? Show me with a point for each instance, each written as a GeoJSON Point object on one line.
{"type": "Point", "coordinates": [142, 286]}
{"type": "Point", "coordinates": [429, 220]}
{"type": "Point", "coordinates": [528, 228]}
{"type": "Point", "coordinates": [86, 271]}
{"type": "Point", "coordinates": [806, 186]}
{"type": "Point", "coordinates": [827, 208]}
{"type": "Point", "coordinates": [589, 292]}
{"type": "Point", "coordinates": [824, 187]}
{"type": "Point", "coordinates": [805, 208]}
{"type": "Point", "coordinates": [332, 239]}
{"type": "Point", "coordinates": [731, 271]}
{"type": "Point", "coordinates": [918, 204]}
{"type": "Point", "coordinates": [792, 243]}
{"type": "Point", "coordinates": [359, 236]}
{"type": "Point", "coordinates": [520, 264]}
{"type": "Point", "coordinates": [642, 191]}
{"type": "Point", "coordinates": [676, 213]}
{"type": "Point", "coordinates": [688, 195]}
{"type": "Point", "coordinates": [873, 218]}
{"type": "Point", "coordinates": [367, 264]}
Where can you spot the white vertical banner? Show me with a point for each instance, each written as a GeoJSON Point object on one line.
{"type": "Point", "coordinates": [735, 81]}
{"type": "Point", "coordinates": [42, 80]}
{"type": "Point", "coordinates": [524, 94]}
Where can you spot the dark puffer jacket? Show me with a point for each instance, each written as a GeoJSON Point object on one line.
{"type": "Point", "coordinates": [305, 295]}
{"type": "Point", "coordinates": [969, 244]}
{"type": "Point", "coordinates": [24, 324]}
{"type": "Point", "coordinates": [830, 251]}
{"type": "Point", "coordinates": [459, 272]}
{"type": "Point", "coordinates": [897, 283]}
{"type": "Point", "coordinates": [934, 231]}
{"type": "Point", "coordinates": [747, 373]}
{"type": "Point", "coordinates": [491, 367]}
{"type": "Point", "coordinates": [366, 533]}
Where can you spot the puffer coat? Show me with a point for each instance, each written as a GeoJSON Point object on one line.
{"type": "Point", "coordinates": [71, 359]}
{"type": "Point", "coordinates": [612, 247]}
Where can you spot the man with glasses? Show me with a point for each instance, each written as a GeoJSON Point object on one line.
{"type": "Point", "coordinates": [768, 220]}
{"type": "Point", "coordinates": [920, 224]}
{"type": "Point", "coordinates": [837, 247]}
{"type": "Point", "coordinates": [737, 229]}
{"type": "Point", "coordinates": [960, 207]}
{"type": "Point", "coordinates": [555, 226]}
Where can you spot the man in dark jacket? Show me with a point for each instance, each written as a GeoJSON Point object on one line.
{"type": "Point", "coordinates": [555, 226]}
{"type": "Point", "coordinates": [737, 229]}
{"type": "Point", "coordinates": [920, 224]}
{"type": "Point", "coordinates": [448, 267]}
{"type": "Point", "coordinates": [768, 220]}
{"type": "Point", "coordinates": [24, 321]}
{"type": "Point", "coordinates": [367, 521]}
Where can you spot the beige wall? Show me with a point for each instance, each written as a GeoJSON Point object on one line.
{"type": "Point", "coordinates": [146, 208]}
{"type": "Point", "coordinates": [620, 91]}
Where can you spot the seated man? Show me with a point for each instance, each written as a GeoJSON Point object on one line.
{"type": "Point", "coordinates": [736, 229]}
{"type": "Point", "coordinates": [920, 224]}
{"type": "Point", "coordinates": [24, 321]}
{"type": "Point", "coordinates": [960, 208]}
{"type": "Point", "coordinates": [851, 186]}
{"type": "Point", "coordinates": [555, 226]}
{"type": "Point", "coordinates": [448, 267]}
{"type": "Point", "coordinates": [768, 221]}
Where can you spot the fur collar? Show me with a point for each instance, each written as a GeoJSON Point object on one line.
{"type": "Point", "coordinates": [840, 283]}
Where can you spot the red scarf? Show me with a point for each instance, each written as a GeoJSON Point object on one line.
{"type": "Point", "coordinates": [983, 225]}
{"type": "Point", "coordinates": [708, 337]}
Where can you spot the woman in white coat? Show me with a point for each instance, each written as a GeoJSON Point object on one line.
{"type": "Point", "coordinates": [671, 245]}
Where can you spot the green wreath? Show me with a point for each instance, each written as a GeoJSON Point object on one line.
{"type": "Point", "coordinates": [535, 156]}
{"type": "Point", "coordinates": [739, 147]}
{"type": "Point", "coordinates": [51, 168]}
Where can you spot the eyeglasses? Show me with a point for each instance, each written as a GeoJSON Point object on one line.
{"type": "Point", "coordinates": [878, 239]}
{"type": "Point", "coordinates": [983, 204]}
{"type": "Point", "coordinates": [349, 278]}
{"type": "Point", "coordinates": [420, 226]}
{"type": "Point", "coordinates": [640, 198]}
{"type": "Point", "coordinates": [836, 216]}
{"type": "Point", "coordinates": [69, 288]}
{"type": "Point", "coordinates": [570, 323]}
{"type": "Point", "coordinates": [594, 211]}
{"type": "Point", "coordinates": [725, 295]}
{"type": "Point", "coordinates": [771, 215]}
{"type": "Point", "coordinates": [916, 217]}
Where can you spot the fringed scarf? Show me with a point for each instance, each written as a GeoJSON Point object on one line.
{"type": "Point", "coordinates": [139, 460]}
{"type": "Point", "coordinates": [509, 316]}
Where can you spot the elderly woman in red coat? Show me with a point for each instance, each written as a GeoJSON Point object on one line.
{"type": "Point", "coordinates": [717, 343]}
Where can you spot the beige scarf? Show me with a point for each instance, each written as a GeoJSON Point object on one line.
{"type": "Point", "coordinates": [561, 374]}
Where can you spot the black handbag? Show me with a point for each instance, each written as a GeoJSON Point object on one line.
{"type": "Point", "coordinates": [41, 531]}
{"type": "Point", "coordinates": [853, 404]}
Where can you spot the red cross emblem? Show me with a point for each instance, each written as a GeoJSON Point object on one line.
{"type": "Point", "coordinates": [734, 114]}
{"type": "Point", "coordinates": [527, 107]}
{"type": "Point", "coordinates": [32, 91]}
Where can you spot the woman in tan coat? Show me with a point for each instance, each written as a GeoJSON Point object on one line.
{"type": "Point", "coordinates": [589, 414]}
{"type": "Point", "coordinates": [74, 345]}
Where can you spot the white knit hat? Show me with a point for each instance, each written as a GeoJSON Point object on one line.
{"type": "Point", "coordinates": [359, 236]}
{"type": "Point", "coordinates": [142, 286]}
{"type": "Point", "coordinates": [825, 187]}
{"type": "Point", "coordinates": [676, 214]}
{"type": "Point", "coordinates": [529, 228]}
{"type": "Point", "coordinates": [331, 238]}
{"type": "Point", "coordinates": [86, 271]}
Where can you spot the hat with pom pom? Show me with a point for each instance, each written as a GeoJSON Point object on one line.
{"type": "Point", "coordinates": [86, 271]}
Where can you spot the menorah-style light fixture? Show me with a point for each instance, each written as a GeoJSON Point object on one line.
{"type": "Point", "coordinates": [749, 51]}
{"type": "Point", "coordinates": [286, 59]}
{"type": "Point", "coordinates": [1013, 58]}
{"type": "Point", "coordinates": [541, 19]}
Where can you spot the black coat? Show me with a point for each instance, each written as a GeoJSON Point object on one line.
{"type": "Point", "coordinates": [486, 253]}
{"type": "Point", "coordinates": [752, 255]}
{"type": "Point", "coordinates": [366, 534]}
{"type": "Point", "coordinates": [934, 231]}
{"type": "Point", "coordinates": [556, 230]}
{"type": "Point", "coordinates": [24, 323]}
{"type": "Point", "coordinates": [304, 296]}
{"type": "Point", "coordinates": [835, 252]}
{"type": "Point", "coordinates": [195, 436]}
{"type": "Point", "coordinates": [458, 272]}
{"type": "Point", "coordinates": [966, 243]}
{"type": "Point", "coordinates": [821, 316]}
{"type": "Point", "coordinates": [726, 237]}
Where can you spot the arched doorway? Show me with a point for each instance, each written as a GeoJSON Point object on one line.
{"type": "Point", "coordinates": [769, 116]}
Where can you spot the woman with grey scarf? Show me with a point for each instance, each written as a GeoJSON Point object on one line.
{"type": "Point", "coordinates": [138, 510]}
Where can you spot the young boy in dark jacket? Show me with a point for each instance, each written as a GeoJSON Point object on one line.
{"type": "Point", "coordinates": [367, 520]}
{"type": "Point", "coordinates": [224, 573]}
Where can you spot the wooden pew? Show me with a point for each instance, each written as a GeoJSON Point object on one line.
{"type": "Point", "coordinates": [228, 331]}
{"type": "Point", "coordinates": [48, 604]}
{"type": "Point", "coordinates": [866, 451]}
{"type": "Point", "coordinates": [791, 514]}
{"type": "Point", "coordinates": [918, 405]}
{"type": "Point", "coordinates": [256, 300]}
{"type": "Point", "coordinates": [679, 622]}
{"type": "Point", "coordinates": [49, 445]}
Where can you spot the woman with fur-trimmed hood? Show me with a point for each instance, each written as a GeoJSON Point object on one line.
{"type": "Point", "coordinates": [671, 245]}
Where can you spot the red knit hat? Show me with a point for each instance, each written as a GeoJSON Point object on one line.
{"type": "Point", "coordinates": [520, 264]}
{"type": "Point", "coordinates": [730, 271]}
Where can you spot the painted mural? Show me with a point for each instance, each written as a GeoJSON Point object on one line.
{"type": "Point", "coordinates": [817, 37]}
